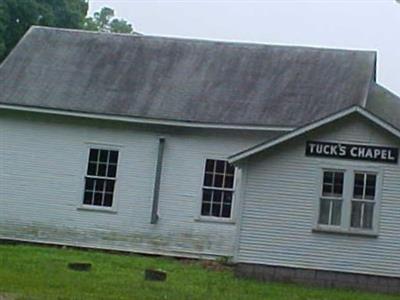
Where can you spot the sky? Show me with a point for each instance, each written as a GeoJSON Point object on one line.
{"type": "Point", "coordinates": [349, 24]}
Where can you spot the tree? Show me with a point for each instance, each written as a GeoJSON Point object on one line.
{"type": "Point", "coordinates": [16, 16]}
{"type": "Point", "coordinates": [104, 21]}
{"type": "Point", "coordinates": [3, 19]}
{"type": "Point", "coordinates": [121, 26]}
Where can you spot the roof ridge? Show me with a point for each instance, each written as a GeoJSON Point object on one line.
{"type": "Point", "coordinates": [205, 40]}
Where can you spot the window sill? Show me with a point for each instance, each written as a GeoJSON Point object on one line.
{"type": "Point", "coordinates": [98, 209]}
{"type": "Point", "coordinates": [351, 232]}
{"type": "Point", "coordinates": [214, 220]}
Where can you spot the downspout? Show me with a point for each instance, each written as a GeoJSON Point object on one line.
{"type": "Point", "coordinates": [157, 181]}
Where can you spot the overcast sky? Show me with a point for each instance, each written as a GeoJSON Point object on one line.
{"type": "Point", "coordinates": [350, 24]}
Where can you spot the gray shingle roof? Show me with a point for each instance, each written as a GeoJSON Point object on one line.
{"type": "Point", "coordinates": [182, 79]}
{"type": "Point", "coordinates": [384, 104]}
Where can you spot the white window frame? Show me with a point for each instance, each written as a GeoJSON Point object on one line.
{"type": "Point", "coordinates": [199, 216]}
{"type": "Point", "coordinates": [348, 186]}
{"type": "Point", "coordinates": [321, 196]}
{"type": "Point", "coordinates": [85, 161]}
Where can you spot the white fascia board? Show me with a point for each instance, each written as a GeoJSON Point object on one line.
{"type": "Point", "coordinates": [377, 120]}
{"type": "Point", "coordinates": [139, 120]}
{"type": "Point", "coordinates": [354, 109]}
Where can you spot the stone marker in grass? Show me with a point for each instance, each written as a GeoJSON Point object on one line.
{"type": "Point", "coordinates": [155, 275]}
{"type": "Point", "coordinates": [80, 266]}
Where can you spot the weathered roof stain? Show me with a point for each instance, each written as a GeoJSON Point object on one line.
{"type": "Point", "coordinates": [183, 79]}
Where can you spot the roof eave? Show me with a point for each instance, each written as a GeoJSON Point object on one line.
{"type": "Point", "coordinates": [234, 159]}
{"type": "Point", "coordinates": [141, 120]}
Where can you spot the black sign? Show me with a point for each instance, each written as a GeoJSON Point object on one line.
{"type": "Point", "coordinates": [352, 151]}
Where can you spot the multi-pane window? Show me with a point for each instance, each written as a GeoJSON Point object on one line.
{"type": "Point", "coordinates": [331, 201]}
{"type": "Point", "coordinates": [218, 189]}
{"type": "Point", "coordinates": [363, 202]}
{"type": "Point", "coordinates": [100, 177]}
{"type": "Point", "coordinates": [348, 200]}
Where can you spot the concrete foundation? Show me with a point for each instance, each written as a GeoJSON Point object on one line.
{"type": "Point", "coordinates": [319, 278]}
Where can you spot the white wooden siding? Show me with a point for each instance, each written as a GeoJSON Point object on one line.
{"type": "Point", "coordinates": [279, 208]}
{"type": "Point", "coordinates": [43, 161]}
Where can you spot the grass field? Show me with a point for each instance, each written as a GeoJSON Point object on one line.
{"type": "Point", "coordinates": [33, 272]}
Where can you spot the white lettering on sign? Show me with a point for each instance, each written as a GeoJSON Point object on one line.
{"type": "Point", "coordinates": [351, 151]}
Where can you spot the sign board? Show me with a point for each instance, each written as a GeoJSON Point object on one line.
{"type": "Point", "coordinates": [352, 151]}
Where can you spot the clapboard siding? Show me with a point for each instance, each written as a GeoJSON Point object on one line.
{"type": "Point", "coordinates": [279, 208]}
{"type": "Point", "coordinates": [43, 161]}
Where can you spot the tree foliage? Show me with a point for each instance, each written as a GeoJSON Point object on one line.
{"type": "Point", "coordinates": [16, 16]}
{"type": "Point", "coordinates": [105, 21]}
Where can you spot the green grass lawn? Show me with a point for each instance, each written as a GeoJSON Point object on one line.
{"type": "Point", "coordinates": [33, 272]}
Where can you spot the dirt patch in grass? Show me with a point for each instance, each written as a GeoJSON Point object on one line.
{"type": "Point", "coordinates": [215, 266]}
{"type": "Point", "coordinates": [211, 265]}
{"type": "Point", "coordinates": [7, 297]}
